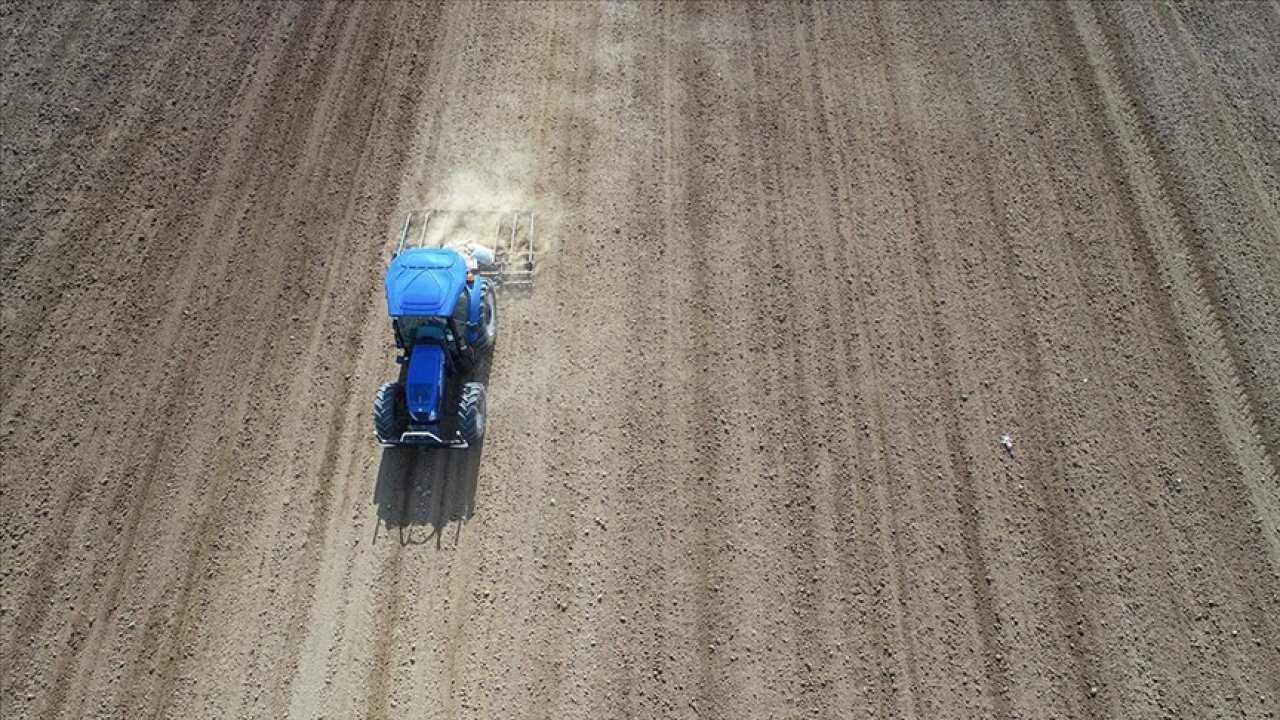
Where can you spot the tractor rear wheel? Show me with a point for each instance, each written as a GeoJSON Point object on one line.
{"type": "Point", "coordinates": [472, 413]}
{"type": "Point", "coordinates": [390, 414]}
{"type": "Point", "coordinates": [488, 319]}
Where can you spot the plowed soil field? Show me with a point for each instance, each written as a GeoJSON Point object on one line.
{"type": "Point", "coordinates": [885, 360]}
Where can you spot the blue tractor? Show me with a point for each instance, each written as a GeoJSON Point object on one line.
{"type": "Point", "coordinates": [444, 315]}
{"type": "Point", "coordinates": [445, 320]}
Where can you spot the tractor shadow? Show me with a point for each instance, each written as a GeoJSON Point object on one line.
{"type": "Point", "coordinates": [420, 492]}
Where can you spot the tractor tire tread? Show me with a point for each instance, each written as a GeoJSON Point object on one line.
{"type": "Point", "coordinates": [387, 422]}
{"type": "Point", "coordinates": [472, 413]}
{"type": "Point", "coordinates": [487, 340]}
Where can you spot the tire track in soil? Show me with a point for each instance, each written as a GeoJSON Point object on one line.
{"type": "Point", "coordinates": [1215, 100]}
{"type": "Point", "coordinates": [815, 334]}
{"type": "Point", "coordinates": [940, 349]}
{"type": "Point", "coordinates": [857, 382]}
{"type": "Point", "coordinates": [1049, 463]}
{"type": "Point", "coordinates": [691, 218]}
{"type": "Point", "coordinates": [482, 134]}
{"type": "Point", "coordinates": [825, 117]}
{"type": "Point", "coordinates": [168, 330]}
{"type": "Point", "coordinates": [619, 531]}
{"type": "Point", "coordinates": [1262, 208]}
{"type": "Point", "coordinates": [1173, 527]}
{"type": "Point", "coordinates": [414, 505]}
{"type": "Point", "coordinates": [14, 400]}
{"type": "Point", "coordinates": [1102, 278]}
{"type": "Point", "coordinates": [806, 325]}
{"type": "Point", "coordinates": [671, 572]}
{"type": "Point", "coordinates": [995, 670]}
{"type": "Point", "coordinates": [753, 258]}
{"type": "Point", "coordinates": [554, 288]}
{"type": "Point", "coordinates": [355, 204]}
{"type": "Point", "coordinates": [1078, 524]}
{"type": "Point", "coordinates": [126, 134]}
{"type": "Point", "coordinates": [775, 303]}
{"type": "Point", "coordinates": [884, 284]}
{"type": "Point", "coordinates": [610, 293]}
{"type": "Point", "coordinates": [632, 525]}
{"type": "Point", "coordinates": [655, 511]}
{"type": "Point", "coordinates": [738, 261]}
{"type": "Point", "coordinates": [1231, 268]}
{"type": "Point", "coordinates": [569, 285]}
{"type": "Point", "coordinates": [870, 405]}
{"type": "Point", "coordinates": [216, 218]}
{"type": "Point", "coordinates": [303, 605]}
{"type": "Point", "coordinates": [456, 600]}
{"type": "Point", "coordinates": [1040, 423]}
{"type": "Point", "coordinates": [438, 466]}
{"type": "Point", "coordinates": [19, 397]}
{"type": "Point", "coordinates": [1214, 305]}
{"type": "Point", "coordinates": [650, 509]}
{"type": "Point", "coordinates": [1170, 261]}
{"type": "Point", "coordinates": [1176, 282]}
{"type": "Point", "coordinates": [530, 365]}
{"type": "Point", "coordinates": [248, 366]}
{"type": "Point", "coordinates": [1103, 290]}
{"type": "Point", "coordinates": [325, 123]}
{"type": "Point", "coordinates": [297, 682]}
{"type": "Point", "coordinates": [264, 357]}
{"type": "Point", "coordinates": [524, 366]}
{"type": "Point", "coordinates": [378, 691]}
{"type": "Point", "coordinates": [1159, 157]}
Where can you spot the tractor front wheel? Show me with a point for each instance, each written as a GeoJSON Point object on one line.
{"type": "Point", "coordinates": [389, 413]}
{"type": "Point", "coordinates": [472, 413]}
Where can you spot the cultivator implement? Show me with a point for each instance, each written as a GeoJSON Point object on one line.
{"type": "Point", "coordinates": [501, 244]}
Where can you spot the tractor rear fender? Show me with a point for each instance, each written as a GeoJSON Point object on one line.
{"type": "Point", "coordinates": [424, 382]}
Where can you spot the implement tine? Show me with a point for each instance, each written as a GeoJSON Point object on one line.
{"type": "Point", "coordinates": [531, 247]}
{"type": "Point", "coordinates": [404, 234]}
{"type": "Point", "coordinates": [515, 220]}
{"type": "Point", "coordinates": [426, 220]}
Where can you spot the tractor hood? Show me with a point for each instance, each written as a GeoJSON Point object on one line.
{"type": "Point", "coordinates": [424, 385]}
{"type": "Point", "coordinates": [425, 281]}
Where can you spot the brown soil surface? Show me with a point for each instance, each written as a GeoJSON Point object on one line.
{"type": "Point", "coordinates": [804, 266]}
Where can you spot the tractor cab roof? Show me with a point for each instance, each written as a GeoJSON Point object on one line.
{"type": "Point", "coordinates": [425, 281]}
